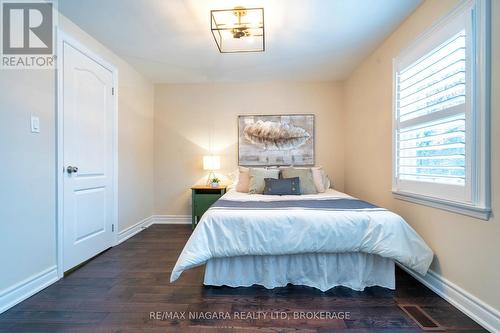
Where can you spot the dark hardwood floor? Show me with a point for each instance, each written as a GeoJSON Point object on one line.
{"type": "Point", "coordinates": [119, 290]}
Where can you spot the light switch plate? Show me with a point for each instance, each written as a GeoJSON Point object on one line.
{"type": "Point", "coordinates": [35, 124]}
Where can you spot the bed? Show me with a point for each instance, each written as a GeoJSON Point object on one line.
{"type": "Point", "coordinates": [320, 240]}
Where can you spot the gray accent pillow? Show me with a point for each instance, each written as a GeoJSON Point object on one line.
{"type": "Point", "coordinates": [257, 176]}
{"type": "Point", "coordinates": [288, 186]}
{"type": "Point", "coordinates": [307, 185]}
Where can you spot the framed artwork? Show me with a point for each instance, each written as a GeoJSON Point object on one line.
{"type": "Point", "coordinates": [276, 140]}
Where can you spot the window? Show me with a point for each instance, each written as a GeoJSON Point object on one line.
{"type": "Point", "coordinates": [441, 110]}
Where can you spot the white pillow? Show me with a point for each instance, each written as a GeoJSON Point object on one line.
{"type": "Point", "coordinates": [327, 182]}
{"type": "Point", "coordinates": [233, 179]}
{"type": "Point", "coordinates": [319, 179]}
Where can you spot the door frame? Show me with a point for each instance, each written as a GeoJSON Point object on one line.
{"type": "Point", "coordinates": [65, 38]}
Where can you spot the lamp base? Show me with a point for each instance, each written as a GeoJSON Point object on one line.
{"type": "Point", "coordinates": [211, 176]}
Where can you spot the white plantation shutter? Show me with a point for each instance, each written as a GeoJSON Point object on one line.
{"type": "Point", "coordinates": [431, 107]}
{"type": "Point", "coordinates": [437, 115]}
{"type": "Point", "coordinates": [434, 152]}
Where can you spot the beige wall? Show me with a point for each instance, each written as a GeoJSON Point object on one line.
{"type": "Point", "coordinates": [467, 250]}
{"type": "Point", "coordinates": [187, 115]}
{"type": "Point", "coordinates": [27, 161]}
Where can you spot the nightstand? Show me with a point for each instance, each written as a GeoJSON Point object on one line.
{"type": "Point", "coordinates": [202, 198]}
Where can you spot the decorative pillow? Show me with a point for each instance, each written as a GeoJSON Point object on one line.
{"type": "Point", "coordinates": [306, 179]}
{"type": "Point", "coordinates": [243, 180]}
{"type": "Point", "coordinates": [327, 182]}
{"type": "Point", "coordinates": [319, 179]}
{"type": "Point", "coordinates": [287, 186]}
{"type": "Point", "coordinates": [257, 176]}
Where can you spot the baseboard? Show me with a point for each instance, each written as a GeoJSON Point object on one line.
{"type": "Point", "coordinates": [171, 219]}
{"type": "Point", "coordinates": [32, 285]}
{"type": "Point", "coordinates": [477, 310]}
{"type": "Point", "coordinates": [153, 219]}
{"type": "Point", "coordinates": [27, 288]}
{"type": "Point", "coordinates": [134, 229]}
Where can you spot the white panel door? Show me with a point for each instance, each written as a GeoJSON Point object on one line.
{"type": "Point", "coordinates": [88, 157]}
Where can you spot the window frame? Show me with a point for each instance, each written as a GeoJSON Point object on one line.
{"type": "Point", "coordinates": [476, 198]}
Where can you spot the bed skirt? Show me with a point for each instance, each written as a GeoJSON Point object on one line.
{"type": "Point", "coordinates": [322, 271]}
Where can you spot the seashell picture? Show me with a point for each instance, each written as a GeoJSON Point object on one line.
{"type": "Point", "coordinates": [276, 140]}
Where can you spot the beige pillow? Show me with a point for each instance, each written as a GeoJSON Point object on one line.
{"type": "Point", "coordinates": [243, 180]}
{"type": "Point", "coordinates": [257, 176]}
{"type": "Point", "coordinates": [307, 185]}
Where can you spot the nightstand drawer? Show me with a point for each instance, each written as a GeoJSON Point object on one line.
{"type": "Point", "coordinates": [203, 202]}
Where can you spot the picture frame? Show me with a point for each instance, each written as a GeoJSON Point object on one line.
{"type": "Point", "coordinates": [276, 140]}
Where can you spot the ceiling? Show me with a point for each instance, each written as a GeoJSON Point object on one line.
{"type": "Point", "coordinates": [306, 40]}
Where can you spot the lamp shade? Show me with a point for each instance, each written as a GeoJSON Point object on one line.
{"type": "Point", "coordinates": [211, 162]}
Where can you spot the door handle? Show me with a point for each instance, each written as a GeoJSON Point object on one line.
{"type": "Point", "coordinates": [71, 169]}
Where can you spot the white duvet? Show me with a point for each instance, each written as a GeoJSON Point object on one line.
{"type": "Point", "coordinates": [229, 233]}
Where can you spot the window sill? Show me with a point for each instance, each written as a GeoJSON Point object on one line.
{"type": "Point", "coordinates": [464, 209]}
